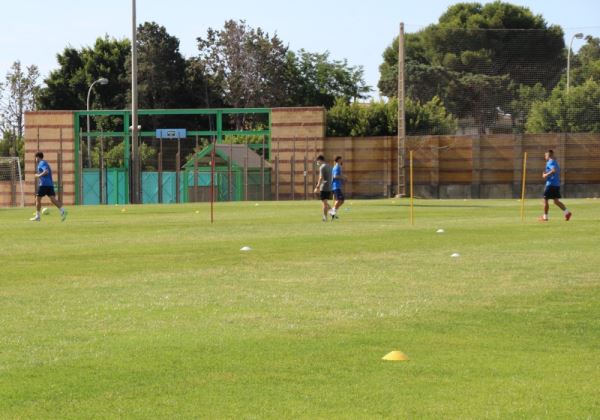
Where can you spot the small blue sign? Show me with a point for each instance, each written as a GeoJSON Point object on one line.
{"type": "Point", "coordinates": [171, 133]}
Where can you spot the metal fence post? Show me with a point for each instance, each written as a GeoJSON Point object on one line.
{"type": "Point", "coordinates": [177, 172]}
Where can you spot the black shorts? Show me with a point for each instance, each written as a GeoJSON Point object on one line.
{"type": "Point", "coordinates": [325, 195]}
{"type": "Point", "coordinates": [339, 195]}
{"type": "Point", "coordinates": [551, 192]}
{"type": "Point", "coordinates": [44, 190]}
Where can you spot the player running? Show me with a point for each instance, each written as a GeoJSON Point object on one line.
{"type": "Point", "coordinates": [552, 191]}
{"type": "Point", "coordinates": [45, 187]}
{"type": "Point", "coordinates": [336, 186]}
{"type": "Point", "coordinates": [323, 187]}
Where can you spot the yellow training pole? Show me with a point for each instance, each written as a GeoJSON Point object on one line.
{"type": "Point", "coordinates": [412, 210]}
{"type": "Point", "coordinates": [524, 178]}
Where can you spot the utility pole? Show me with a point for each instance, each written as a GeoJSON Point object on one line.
{"type": "Point", "coordinates": [401, 188]}
{"type": "Point", "coordinates": [134, 198]}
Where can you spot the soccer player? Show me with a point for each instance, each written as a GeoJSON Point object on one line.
{"type": "Point", "coordinates": [552, 191]}
{"type": "Point", "coordinates": [323, 187]}
{"type": "Point", "coordinates": [336, 185]}
{"type": "Point", "coordinates": [45, 187]}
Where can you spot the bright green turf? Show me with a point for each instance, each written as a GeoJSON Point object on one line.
{"type": "Point", "coordinates": [153, 312]}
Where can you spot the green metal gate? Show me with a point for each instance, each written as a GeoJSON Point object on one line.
{"type": "Point", "coordinates": [117, 180]}
{"type": "Point", "coordinates": [114, 188]}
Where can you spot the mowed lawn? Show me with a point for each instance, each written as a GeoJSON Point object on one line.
{"type": "Point", "coordinates": [154, 312]}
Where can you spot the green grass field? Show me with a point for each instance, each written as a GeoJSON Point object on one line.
{"type": "Point", "coordinates": [153, 312]}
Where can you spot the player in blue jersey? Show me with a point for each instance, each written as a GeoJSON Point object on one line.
{"type": "Point", "coordinates": [552, 190]}
{"type": "Point", "coordinates": [45, 187]}
{"type": "Point", "coordinates": [336, 186]}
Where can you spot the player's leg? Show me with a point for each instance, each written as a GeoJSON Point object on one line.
{"type": "Point", "coordinates": [38, 208]}
{"type": "Point", "coordinates": [58, 204]}
{"type": "Point", "coordinates": [559, 203]}
{"type": "Point", "coordinates": [544, 217]}
{"type": "Point", "coordinates": [326, 208]}
{"type": "Point", "coordinates": [339, 200]}
{"type": "Point", "coordinates": [564, 208]}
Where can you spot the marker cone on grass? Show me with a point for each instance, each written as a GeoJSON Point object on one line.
{"type": "Point", "coordinates": [395, 356]}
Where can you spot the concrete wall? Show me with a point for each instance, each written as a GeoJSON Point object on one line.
{"type": "Point", "coordinates": [476, 166]}
{"type": "Point", "coordinates": [51, 132]}
{"type": "Point", "coordinates": [10, 194]}
{"type": "Point", "coordinates": [297, 137]}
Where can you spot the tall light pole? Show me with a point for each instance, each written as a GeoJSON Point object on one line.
{"type": "Point", "coordinates": [102, 81]}
{"type": "Point", "coordinates": [578, 35]}
{"type": "Point", "coordinates": [134, 108]}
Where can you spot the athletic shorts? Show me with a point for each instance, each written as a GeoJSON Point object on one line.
{"type": "Point", "coordinates": [551, 192]}
{"type": "Point", "coordinates": [325, 195]}
{"type": "Point", "coordinates": [44, 190]}
{"type": "Point", "coordinates": [339, 195]}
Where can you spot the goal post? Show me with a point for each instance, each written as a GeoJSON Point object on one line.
{"type": "Point", "coordinates": [12, 191]}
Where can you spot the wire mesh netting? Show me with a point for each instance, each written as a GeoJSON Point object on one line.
{"type": "Point", "coordinates": [11, 182]}
{"type": "Point", "coordinates": [488, 81]}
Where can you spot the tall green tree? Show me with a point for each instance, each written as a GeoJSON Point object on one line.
{"type": "Point", "coordinates": [251, 68]}
{"type": "Point", "coordinates": [161, 69]}
{"type": "Point", "coordinates": [246, 65]}
{"type": "Point", "coordinates": [575, 112]}
{"type": "Point", "coordinates": [67, 86]}
{"type": "Point", "coordinates": [585, 64]}
{"type": "Point", "coordinates": [19, 95]}
{"type": "Point", "coordinates": [318, 80]}
{"type": "Point", "coordinates": [476, 58]}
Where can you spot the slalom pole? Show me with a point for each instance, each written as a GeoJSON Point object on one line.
{"type": "Point", "coordinates": [523, 181]}
{"type": "Point", "coordinates": [412, 209]}
{"type": "Point", "coordinates": [212, 183]}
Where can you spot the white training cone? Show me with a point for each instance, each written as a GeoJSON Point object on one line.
{"type": "Point", "coordinates": [245, 248]}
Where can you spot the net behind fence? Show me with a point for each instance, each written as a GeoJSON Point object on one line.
{"type": "Point", "coordinates": [12, 192]}
{"type": "Point", "coordinates": [492, 81]}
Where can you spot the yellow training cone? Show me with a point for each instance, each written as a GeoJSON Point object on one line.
{"type": "Point", "coordinates": [396, 356]}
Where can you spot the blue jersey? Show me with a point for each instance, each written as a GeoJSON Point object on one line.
{"type": "Point", "coordinates": [46, 180]}
{"type": "Point", "coordinates": [554, 179]}
{"type": "Point", "coordinates": [337, 177]}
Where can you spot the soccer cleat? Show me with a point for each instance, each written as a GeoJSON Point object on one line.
{"type": "Point", "coordinates": [63, 215]}
{"type": "Point", "coordinates": [568, 216]}
{"type": "Point", "coordinates": [541, 219]}
{"type": "Point", "coordinates": [324, 218]}
{"type": "Point", "coordinates": [35, 219]}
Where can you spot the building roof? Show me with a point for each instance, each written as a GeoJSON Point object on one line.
{"type": "Point", "coordinates": [238, 154]}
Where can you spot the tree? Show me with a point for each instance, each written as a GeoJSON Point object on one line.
{"type": "Point", "coordinates": [483, 53]}
{"type": "Point", "coordinates": [252, 69]}
{"type": "Point", "coordinates": [67, 86]}
{"type": "Point", "coordinates": [21, 91]}
{"type": "Point", "coordinates": [575, 112]}
{"type": "Point", "coordinates": [161, 69]}
{"type": "Point", "coordinates": [246, 65]}
{"type": "Point", "coordinates": [579, 110]}
{"type": "Point", "coordinates": [586, 63]}
{"type": "Point", "coordinates": [520, 107]}
{"type": "Point", "coordinates": [379, 118]}
{"type": "Point", "coordinates": [203, 90]}
{"type": "Point", "coordinates": [114, 154]}
{"type": "Point", "coordinates": [318, 81]}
